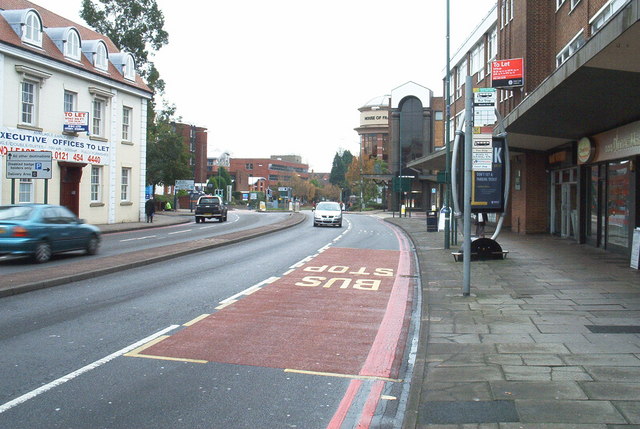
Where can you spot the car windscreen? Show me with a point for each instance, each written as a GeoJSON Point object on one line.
{"type": "Point", "coordinates": [15, 213]}
{"type": "Point", "coordinates": [329, 207]}
{"type": "Point", "coordinates": [208, 201]}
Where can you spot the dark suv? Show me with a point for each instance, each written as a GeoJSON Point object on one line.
{"type": "Point", "coordinates": [210, 206]}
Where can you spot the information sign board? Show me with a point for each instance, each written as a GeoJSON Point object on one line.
{"type": "Point", "coordinates": [28, 165]}
{"type": "Point", "coordinates": [507, 73]}
{"type": "Point", "coordinates": [76, 122]}
{"type": "Point", "coordinates": [484, 106]}
{"type": "Point", "coordinates": [185, 185]}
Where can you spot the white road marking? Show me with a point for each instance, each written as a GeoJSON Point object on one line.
{"type": "Point", "coordinates": [30, 395]}
{"type": "Point", "coordinates": [180, 232]}
{"type": "Point", "coordinates": [250, 290]}
{"type": "Point", "coordinates": [139, 238]}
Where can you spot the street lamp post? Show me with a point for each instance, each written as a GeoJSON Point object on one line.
{"type": "Point", "coordinates": [447, 137]}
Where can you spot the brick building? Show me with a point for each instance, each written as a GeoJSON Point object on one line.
{"type": "Point", "coordinates": [195, 139]}
{"type": "Point", "coordinates": [260, 174]}
{"type": "Point", "coordinates": [573, 125]}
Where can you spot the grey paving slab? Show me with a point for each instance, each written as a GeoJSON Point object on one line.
{"type": "Point", "coordinates": [542, 411]}
{"type": "Point", "coordinates": [570, 373]}
{"type": "Point", "coordinates": [602, 348]}
{"type": "Point", "coordinates": [464, 374]}
{"type": "Point", "coordinates": [604, 359]}
{"type": "Point", "coordinates": [469, 391]}
{"type": "Point", "coordinates": [530, 373]}
{"type": "Point", "coordinates": [506, 338]}
{"type": "Point", "coordinates": [552, 348]}
{"type": "Point", "coordinates": [560, 338]}
{"type": "Point", "coordinates": [454, 338]}
{"type": "Point", "coordinates": [549, 390]}
{"type": "Point", "coordinates": [542, 359]}
{"type": "Point", "coordinates": [612, 390]}
{"type": "Point", "coordinates": [630, 410]}
{"type": "Point", "coordinates": [468, 412]}
{"type": "Point", "coordinates": [619, 373]}
{"type": "Point", "coordinates": [554, 426]}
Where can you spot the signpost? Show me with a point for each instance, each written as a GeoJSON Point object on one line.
{"type": "Point", "coordinates": [185, 185]}
{"type": "Point", "coordinates": [28, 165]}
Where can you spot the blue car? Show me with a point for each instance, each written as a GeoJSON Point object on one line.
{"type": "Point", "coordinates": [40, 230]}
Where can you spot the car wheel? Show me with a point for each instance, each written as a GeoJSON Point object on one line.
{"type": "Point", "coordinates": [42, 253]}
{"type": "Point", "coordinates": [92, 245]}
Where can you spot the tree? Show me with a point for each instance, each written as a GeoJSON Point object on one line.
{"type": "Point", "coordinates": [136, 26]}
{"type": "Point", "coordinates": [220, 181]}
{"type": "Point", "coordinates": [302, 189]}
{"type": "Point", "coordinates": [329, 192]}
{"type": "Point", "coordinates": [341, 162]}
{"type": "Point", "coordinates": [361, 185]}
{"type": "Point", "coordinates": [167, 155]}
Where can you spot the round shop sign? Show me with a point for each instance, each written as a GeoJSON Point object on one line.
{"type": "Point", "coordinates": [586, 150]}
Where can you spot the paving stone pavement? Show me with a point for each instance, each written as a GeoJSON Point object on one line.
{"type": "Point", "coordinates": [548, 339]}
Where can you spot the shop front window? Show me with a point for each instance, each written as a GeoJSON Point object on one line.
{"type": "Point", "coordinates": [618, 204]}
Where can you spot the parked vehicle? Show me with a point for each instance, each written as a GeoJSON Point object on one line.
{"type": "Point", "coordinates": [327, 213]}
{"type": "Point", "coordinates": [211, 206]}
{"type": "Point", "coordinates": [41, 230]}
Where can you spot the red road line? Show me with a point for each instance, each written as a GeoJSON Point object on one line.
{"type": "Point", "coordinates": [384, 347]}
{"type": "Point", "coordinates": [370, 406]}
{"type": "Point", "coordinates": [345, 404]}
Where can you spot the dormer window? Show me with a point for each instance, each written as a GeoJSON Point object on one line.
{"type": "Point", "coordinates": [32, 29]}
{"type": "Point", "coordinates": [129, 68]}
{"type": "Point", "coordinates": [72, 45]}
{"type": "Point", "coordinates": [100, 59]}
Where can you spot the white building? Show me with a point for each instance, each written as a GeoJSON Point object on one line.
{"type": "Point", "coordinates": [54, 72]}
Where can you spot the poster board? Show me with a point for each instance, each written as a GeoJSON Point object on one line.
{"type": "Point", "coordinates": [635, 249]}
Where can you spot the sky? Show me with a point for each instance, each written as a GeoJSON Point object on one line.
{"type": "Point", "coordinates": [285, 77]}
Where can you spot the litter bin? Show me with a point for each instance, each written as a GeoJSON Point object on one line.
{"type": "Point", "coordinates": [432, 221]}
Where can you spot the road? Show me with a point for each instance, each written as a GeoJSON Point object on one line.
{"type": "Point", "coordinates": [303, 328]}
{"type": "Point", "coordinates": [130, 241]}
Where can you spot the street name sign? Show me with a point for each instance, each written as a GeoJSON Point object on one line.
{"type": "Point", "coordinates": [28, 165]}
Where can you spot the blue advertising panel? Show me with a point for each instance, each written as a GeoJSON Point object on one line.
{"type": "Point", "coordinates": [488, 186]}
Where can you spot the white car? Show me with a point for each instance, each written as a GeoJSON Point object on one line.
{"type": "Point", "coordinates": [328, 213]}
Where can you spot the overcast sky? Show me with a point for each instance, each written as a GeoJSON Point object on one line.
{"type": "Point", "coordinates": [287, 76]}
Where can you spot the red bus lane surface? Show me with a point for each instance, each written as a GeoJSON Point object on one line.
{"type": "Point", "coordinates": [342, 313]}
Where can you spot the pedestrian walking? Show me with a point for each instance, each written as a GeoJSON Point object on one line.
{"type": "Point", "coordinates": [481, 220]}
{"type": "Point", "coordinates": [150, 209]}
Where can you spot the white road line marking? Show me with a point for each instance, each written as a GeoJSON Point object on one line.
{"type": "Point", "coordinates": [180, 232]}
{"type": "Point", "coordinates": [30, 395]}
{"type": "Point", "coordinates": [249, 290]}
{"type": "Point", "coordinates": [139, 238]}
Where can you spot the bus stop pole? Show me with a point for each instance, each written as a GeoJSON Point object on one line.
{"type": "Point", "coordinates": [466, 252]}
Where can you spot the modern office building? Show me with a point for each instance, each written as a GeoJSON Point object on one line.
{"type": "Point", "coordinates": [69, 92]}
{"type": "Point", "coordinates": [572, 121]}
